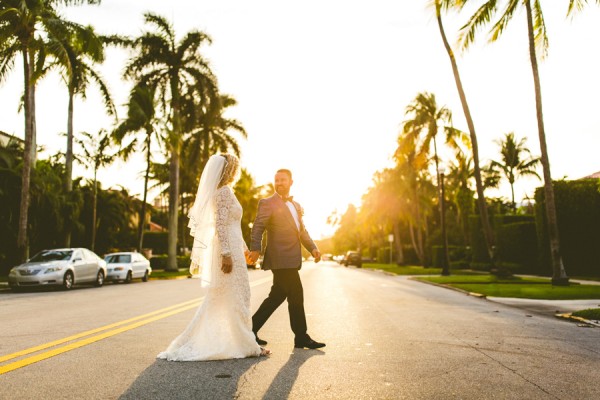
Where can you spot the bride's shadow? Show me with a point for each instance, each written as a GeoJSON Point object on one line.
{"type": "Point", "coordinates": [281, 386]}
{"type": "Point", "coordinates": [190, 380]}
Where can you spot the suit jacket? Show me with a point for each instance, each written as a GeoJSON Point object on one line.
{"type": "Point", "coordinates": [284, 239]}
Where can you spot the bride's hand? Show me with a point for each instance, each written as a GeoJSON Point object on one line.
{"type": "Point", "coordinates": [227, 264]}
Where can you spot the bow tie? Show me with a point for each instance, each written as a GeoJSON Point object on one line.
{"type": "Point", "coordinates": [288, 198]}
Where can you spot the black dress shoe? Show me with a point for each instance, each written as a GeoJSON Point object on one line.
{"type": "Point", "coordinates": [308, 343]}
{"type": "Point", "coordinates": [259, 340]}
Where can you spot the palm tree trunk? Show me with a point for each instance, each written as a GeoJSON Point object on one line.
{"type": "Point", "coordinates": [173, 209]}
{"type": "Point", "coordinates": [483, 212]}
{"type": "Point", "coordinates": [512, 192]}
{"type": "Point", "coordinates": [22, 242]}
{"type": "Point", "coordinates": [69, 161]}
{"type": "Point", "coordinates": [398, 242]}
{"type": "Point", "coordinates": [94, 208]}
{"type": "Point", "coordinates": [69, 154]}
{"type": "Point", "coordinates": [146, 178]}
{"type": "Point", "coordinates": [559, 276]}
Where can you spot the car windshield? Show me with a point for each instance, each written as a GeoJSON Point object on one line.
{"type": "Point", "coordinates": [118, 258]}
{"type": "Point", "coordinates": [52, 255]}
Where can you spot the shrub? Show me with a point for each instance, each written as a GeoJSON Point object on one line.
{"type": "Point", "coordinates": [157, 241]}
{"type": "Point", "coordinates": [516, 247]}
{"type": "Point", "coordinates": [456, 254]}
{"type": "Point", "coordinates": [578, 214]}
{"type": "Point", "coordinates": [160, 262]}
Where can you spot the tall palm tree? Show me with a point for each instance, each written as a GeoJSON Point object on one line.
{"type": "Point", "coordinates": [538, 44]}
{"type": "Point", "coordinates": [78, 49]}
{"type": "Point", "coordinates": [142, 115]}
{"type": "Point", "coordinates": [444, 5]}
{"type": "Point", "coordinates": [515, 161]}
{"type": "Point", "coordinates": [21, 23]}
{"type": "Point", "coordinates": [174, 67]}
{"type": "Point", "coordinates": [96, 153]}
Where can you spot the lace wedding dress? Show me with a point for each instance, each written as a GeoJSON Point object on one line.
{"type": "Point", "coordinates": [222, 326]}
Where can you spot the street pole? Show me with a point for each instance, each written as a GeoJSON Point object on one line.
{"type": "Point", "coordinates": [446, 260]}
{"type": "Point", "coordinates": [391, 240]}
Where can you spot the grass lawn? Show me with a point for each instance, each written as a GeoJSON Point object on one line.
{"type": "Point", "coordinates": [412, 269]}
{"type": "Point", "coordinates": [483, 278]}
{"type": "Point", "coordinates": [162, 274]}
{"type": "Point", "coordinates": [592, 314]}
{"type": "Point", "coordinates": [524, 288]}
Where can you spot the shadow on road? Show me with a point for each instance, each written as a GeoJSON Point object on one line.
{"type": "Point", "coordinates": [283, 382]}
{"type": "Point", "coordinates": [190, 380]}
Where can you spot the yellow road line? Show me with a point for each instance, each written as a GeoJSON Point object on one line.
{"type": "Point", "coordinates": [159, 314]}
{"type": "Point", "coordinates": [90, 332]}
{"type": "Point", "coordinates": [75, 345]}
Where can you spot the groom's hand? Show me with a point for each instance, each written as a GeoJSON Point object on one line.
{"type": "Point", "coordinates": [253, 256]}
{"type": "Point", "coordinates": [317, 255]}
{"type": "Point", "coordinates": [227, 264]}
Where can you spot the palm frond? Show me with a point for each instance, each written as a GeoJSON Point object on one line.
{"type": "Point", "coordinates": [504, 20]}
{"type": "Point", "coordinates": [481, 18]}
{"type": "Point", "coordinates": [539, 26]}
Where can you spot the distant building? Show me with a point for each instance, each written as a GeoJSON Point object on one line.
{"type": "Point", "coordinates": [5, 138]}
{"type": "Point", "coordinates": [595, 175]}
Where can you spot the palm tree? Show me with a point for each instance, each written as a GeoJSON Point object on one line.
{"type": "Point", "coordinates": [441, 5]}
{"type": "Point", "coordinates": [20, 26]}
{"type": "Point", "coordinates": [538, 44]}
{"type": "Point", "coordinates": [79, 49]}
{"type": "Point", "coordinates": [174, 68]}
{"type": "Point", "coordinates": [142, 115]}
{"type": "Point", "coordinates": [516, 160]}
{"type": "Point", "coordinates": [96, 155]}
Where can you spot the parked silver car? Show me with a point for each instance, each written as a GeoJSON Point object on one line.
{"type": "Point", "coordinates": [64, 267]}
{"type": "Point", "coordinates": [126, 266]}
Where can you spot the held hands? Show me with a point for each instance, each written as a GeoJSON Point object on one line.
{"type": "Point", "coordinates": [317, 255]}
{"type": "Point", "coordinates": [227, 264]}
{"type": "Point", "coordinates": [252, 257]}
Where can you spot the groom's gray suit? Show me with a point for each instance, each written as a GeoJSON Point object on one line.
{"type": "Point", "coordinates": [283, 255]}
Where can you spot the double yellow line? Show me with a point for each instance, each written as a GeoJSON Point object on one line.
{"type": "Point", "coordinates": [98, 334]}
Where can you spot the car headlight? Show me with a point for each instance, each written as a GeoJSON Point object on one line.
{"type": "Point", "coordinates": [13, 271]}
{"type": "Point", "coordinates": [52, 269]}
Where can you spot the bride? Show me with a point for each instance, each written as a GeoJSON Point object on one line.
{"type": "Point", "coordinates": [222, 326]}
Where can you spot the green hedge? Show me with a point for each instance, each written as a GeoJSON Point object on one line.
{"type": "Point", "coordinates": [479, 253]}
{"type": "Point", "coordinates": [458, 255]}
{"type": "Point", "coordinates": [578, 214]}
{"type": "Point", "coordinates": [160, 262]}
{"type": "Point", "coordinates": [157, 241]}
{"type": "Point", "coordinates": [517, 248]}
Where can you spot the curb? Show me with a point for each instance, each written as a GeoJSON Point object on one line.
{"type": "Point", "coordinates": [571, 317]}
{"type": "Point", "coordinates": [472, 294]}
{"type": "Point", "coordinates": [167, 278]}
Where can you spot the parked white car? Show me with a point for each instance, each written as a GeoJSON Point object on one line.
{"type": "Point", "coordinates": [64, 267]}
{"type": "Point", "coordinates": [125, 266]}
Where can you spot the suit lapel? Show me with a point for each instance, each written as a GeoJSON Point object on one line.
{"type": "Point", "coordinates": [287, 212]}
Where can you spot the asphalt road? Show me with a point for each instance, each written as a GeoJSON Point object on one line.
{"type": "Point", "coordinates": [387, 338]}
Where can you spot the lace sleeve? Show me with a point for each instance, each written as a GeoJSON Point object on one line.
{"type": "Point", "coordinates": [224, 201]}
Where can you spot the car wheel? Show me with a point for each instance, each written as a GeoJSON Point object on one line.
{"type": "Point", "coordinates": [145, 278]}
{"type": "Point", "coordinates": [100, 279]}
{"type": "Point", "coordinates": [129, 277]}
{"type": "Point", "coordinates": [68, 281]}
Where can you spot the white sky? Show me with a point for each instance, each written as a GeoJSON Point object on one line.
{"type": "Point", "coordinates": [322, 87]}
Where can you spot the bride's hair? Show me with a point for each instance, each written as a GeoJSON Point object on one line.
{"type": "Point", "coordinates": [230, 170]}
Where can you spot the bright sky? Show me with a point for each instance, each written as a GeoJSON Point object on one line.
{"type": "Point", "coordinates": [322, 87]}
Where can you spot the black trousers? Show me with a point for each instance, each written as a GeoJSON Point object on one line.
{"type": "Point", "coordinates": [286, 285]}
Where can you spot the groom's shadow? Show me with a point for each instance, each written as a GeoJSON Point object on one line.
{"type": "Point", "coordinates": [282, 384]}
{"type": "Point", "coordinates": [190, 380]}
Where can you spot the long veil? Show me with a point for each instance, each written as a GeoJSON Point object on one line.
{"type": "Point", "coordinates": [205, 257]}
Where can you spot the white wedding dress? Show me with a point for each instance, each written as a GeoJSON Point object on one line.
{"type": "Point", "coordinates": [222, 326]}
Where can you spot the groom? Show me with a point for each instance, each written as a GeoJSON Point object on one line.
{"type": "Point", "coordinates": [281, 217]}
